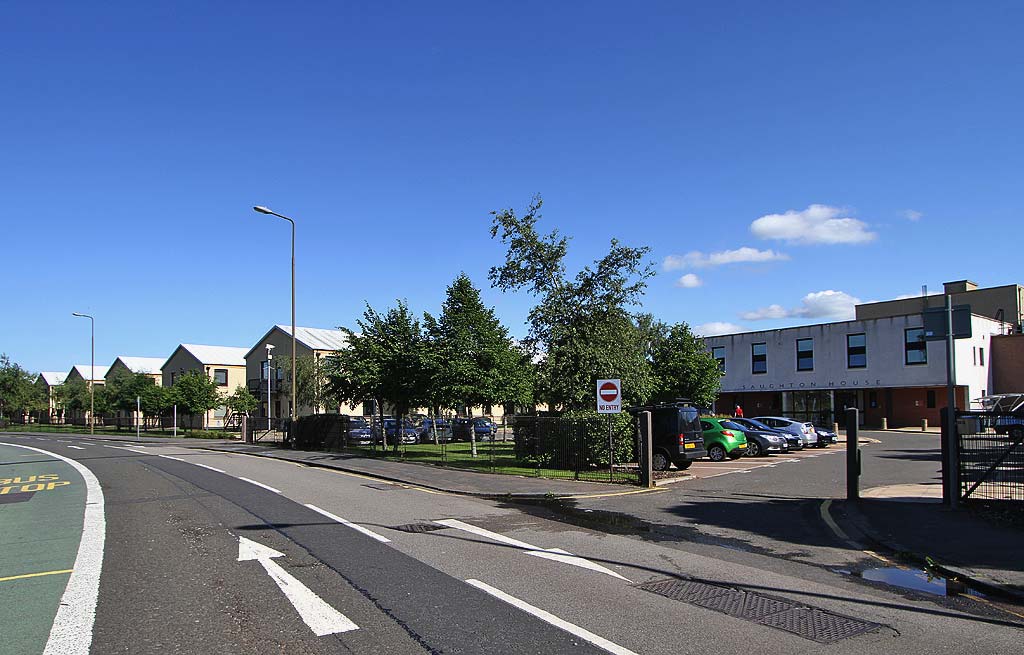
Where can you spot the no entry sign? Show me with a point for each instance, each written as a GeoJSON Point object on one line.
{"type": "Point", "coordinates": [609, 396]}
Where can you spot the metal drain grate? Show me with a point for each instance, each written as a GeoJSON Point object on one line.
{"type": "Point", "coordinates": [419, 527]}
{"type": "Point", "coordinates": [807, 622]}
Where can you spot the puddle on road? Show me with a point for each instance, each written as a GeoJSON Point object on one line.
{"type": "Point", "coordinates": [917, 580]}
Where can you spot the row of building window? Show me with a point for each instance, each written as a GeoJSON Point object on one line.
{"type": "Point", "coordinates": [915, 352]}
{"type": "Point", "coordinates": [220, 377]}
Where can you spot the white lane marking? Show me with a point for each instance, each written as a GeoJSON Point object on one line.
{"type": "Point", "coordinates": [212, 468]}
{"type": "Point", "coordinates": [177, 459]}
{"type": "Point", "coordinates": [555, 554]}
{"type": "Point", "coordinates": [71, 633]}
{"type": "Point", "coordinates": [358, 528]}
{"type": "Point", "coordinates": [321, 618]}
{"type": "Point", "coordinates": [76, 447]}
{"type": "Point", "coordinates": [131, 449]}
{"type": "Point", "coordinates": [260, 484]}
{"type": "Point", "coordinates": [547, 617]}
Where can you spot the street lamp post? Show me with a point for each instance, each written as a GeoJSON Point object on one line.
{"type": "Point", "coordinates": [92, 372]}
{"type": "Point", "coordinates": [264, 210]}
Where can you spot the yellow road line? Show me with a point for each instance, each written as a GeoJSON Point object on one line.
{"type": "Point", "coordinates": [34, 575]}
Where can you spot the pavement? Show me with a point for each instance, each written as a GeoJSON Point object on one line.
{"type": "Point", "coordinates": [903, 519]}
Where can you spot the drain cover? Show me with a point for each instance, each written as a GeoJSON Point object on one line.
{"type": "Point", "coordinates": [419, 527]}
{"type": "Point", "coordinates": [807, 622]}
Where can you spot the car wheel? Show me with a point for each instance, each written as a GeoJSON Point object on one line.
{"type": "Point", "coordinates": [683, 464]}
{"type": "Point", "coordinates": [753, 449]}
{"type": "Point", "coordinates": [717, 454]}
{"type": "Point", "coordinates": [660, 461]}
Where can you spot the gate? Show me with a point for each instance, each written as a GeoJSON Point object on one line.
{"type": "Point", "coordinates": [991, 451]}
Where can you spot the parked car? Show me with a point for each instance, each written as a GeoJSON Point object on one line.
{"type": "Point", "coordinates": [792, 441]}
{"type": "Point", "coordinates": [723, 439]}
{"type": "Point", "coordinates": [484, 428]}
{"type": "Point", "coordinates": [429, 426]}
{"type": "Point", "coordinates": [359, 432]}
{"type": "Point", "coordinates": [406, 434]}
{"type": "Point", "coordinates": [825, 436]}
{"type": "Point", "coordinates": [761, 442]}
{"type": "Point", "coordinates": [802, 429]}
{"type": "Point", "coordinates": [676, 435]}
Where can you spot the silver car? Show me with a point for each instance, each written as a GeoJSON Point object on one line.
{"type": "Point", "coordinates": [802, 429]}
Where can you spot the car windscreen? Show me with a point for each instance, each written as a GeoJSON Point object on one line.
{"type": "Point", "coordinates": [356, 423]}
{"type": "Point", "coordinates": [758, 425]}
{"type": "Point", "coordinates": [729, 425]}
{"type": "Point", "coordinates": [689, 420]}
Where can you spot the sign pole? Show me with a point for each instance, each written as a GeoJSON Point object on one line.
{"type": "Point", "coordinates": [611, 452]}
{"type": "Point", "coordinates": [949, 434]}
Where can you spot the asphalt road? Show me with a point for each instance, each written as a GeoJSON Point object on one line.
{"type": "Point", "coordinates": [421, 571]}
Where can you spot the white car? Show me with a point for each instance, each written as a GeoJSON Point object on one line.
{"type": "Point", "coordinates": [802, 429]}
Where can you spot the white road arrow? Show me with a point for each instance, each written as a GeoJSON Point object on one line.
{"type": "Point", "coordinates": [321, 618]}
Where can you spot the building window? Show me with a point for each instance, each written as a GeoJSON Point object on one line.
{"type": "Point", "coordinates": [981, 356]}
{"type": "Point", "coordinates": [805, 354]}
{"type": "Point", "coordinates": [915, 348]}
{"type": "Point", "coordinates": [174, 378]}
{"type": "Point", "coordinates": [220, 377]}
{"type": "Point", "coordinates": [856, 351]}
{"type": "Point", "coordinates": [931, 399]}
{"type": "Point", "coordinates": [759, 358]}
{"type": "Point", "coordinates": [718, 352]}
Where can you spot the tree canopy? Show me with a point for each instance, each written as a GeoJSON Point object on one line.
{"type": "Point", "coordinates": [682, 365]}
{"type": "Point", "coordinates": [18, 389]}
{"type": "Point", "coordinates": [196, 393]}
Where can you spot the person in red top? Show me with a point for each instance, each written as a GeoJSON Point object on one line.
{"type": "Point", "coordinates": [739, 412]}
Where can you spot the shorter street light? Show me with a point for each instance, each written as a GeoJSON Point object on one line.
{"type": "Point", "coordinates": [92, 372]}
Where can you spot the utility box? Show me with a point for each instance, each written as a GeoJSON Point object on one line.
{"type": "Point", "coordinates": [969, 425]}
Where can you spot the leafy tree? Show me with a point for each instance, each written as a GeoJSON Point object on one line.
{"type": "Point", "coordinates": [123, 390]}
{"type": "Point", "coordinates": [473, 360]}
{"type": "Point", "coordinates": [18, 390]}
{"type": "Point", "coordinates": [386, 361]}
{"type": "Point", "coordinates": [310, 381]}
{"type": "Point", "coordinates": [74, 395]}
{"type": "Point", "coordinates": [682, 365]}
{"type": "Point", "coordinates": [241, 401]}
{"type": "Point", "coordinates": [581, 327]}
{"type": "Point", "coordinates": [158, 400]}
{"type": "Point", "coordinates": [197, 394]}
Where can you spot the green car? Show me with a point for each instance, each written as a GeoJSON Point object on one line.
{"type": "Point", "coordinates": [723, 439]}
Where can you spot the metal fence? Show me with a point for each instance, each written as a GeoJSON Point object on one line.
{"type": "Point", "coordinates": [149, 425]}
{"type": "Point", "coordinates": [991, 454]}
{"type": "Point", "coordinates": [552, 447]}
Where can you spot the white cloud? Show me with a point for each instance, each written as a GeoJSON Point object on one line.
{"type": "Point", "coordinates": [689, 281]}
{"type": "Point", "coordinates": [698, 259]}
{"type": "Point", "coordinates": [816, 224]}
{"type": "Point", "coordinates": [717, 327]}
{"type": "Point", "coordinates": [912, 214]}
{"type": "Point", "coordinates": [819, 304]}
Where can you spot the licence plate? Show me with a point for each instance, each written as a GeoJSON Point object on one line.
{"type": "Point", "coordinates": [689, 445]}
{"type": "Point", "coordinates": [742, 446]}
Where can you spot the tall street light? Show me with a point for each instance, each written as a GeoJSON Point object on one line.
{"type": "Point", "coordinates": [92, 373]}
{"type": "Point", "coordinates": [264, 210]}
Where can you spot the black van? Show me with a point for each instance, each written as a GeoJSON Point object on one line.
{"type": "Point", "coordinates": [678, 438]}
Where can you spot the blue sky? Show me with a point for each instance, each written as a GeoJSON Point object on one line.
{"type": "Point", "coordinates": [767, 152]}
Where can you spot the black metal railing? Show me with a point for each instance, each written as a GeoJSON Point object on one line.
{"type": "Point", "coordinates": [991, 455]}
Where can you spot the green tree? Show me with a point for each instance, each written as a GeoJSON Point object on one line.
{"type": "Point", "coordinates": [582, 328]}
{"type": "Point", "coordinates": [386, 361]}
{"type": "Point", "coordinates": [158, 400]}
{"type": "Point", "coordinates": [74, 395]}
{"type": "Point", "coordinates": [241, 401]}
{"type": "Point", "coordinates": [310, 381]}
{"type": "Point", "coordinates": [123, 390]}
{"type": "Point", "coordinates": [682, 365]}
{"type": "Point", "coordinates": [197, 394]}
{"type": "Point", "coordinates": [18, 389]}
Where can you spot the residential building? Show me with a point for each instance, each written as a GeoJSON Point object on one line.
{"type": "Point", "coordinates": [313, 345]}
{"type": "Point", "coordinates": [882, 366]}
{"type": "Point", "coordinates": [50, 382]}
{"type": "Point", "coordinates": [225, 365]}
{"type": "Point", "coordinates": [150, 366]}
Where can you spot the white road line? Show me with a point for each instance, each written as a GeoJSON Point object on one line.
{"type": "Point", "coordinates": [260, 484]}
{"type": "Point", "coordinates": [212, 468]}
{"type": "Point", "coordinates": [177, 459]}
{"type": "Point", "coordinates": [71, 633]}
{"type": "Point", "coordinates": [358, 528]}
{"type": "Point", "coordinates": [76, 447]}
{"type": "Point", "coordinates": [555, 554]}
{"type": "Point", "coordinates": [547, 617]}
{"type": "Point", "coordinates": [141, 452]}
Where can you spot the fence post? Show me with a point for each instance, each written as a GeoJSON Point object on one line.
{"type": "Point", "coordinates": [950, 474]}
{"type": "Point", "coordinates": [646, 448]}
{"type": "Point", "coordinates": [852, 455]}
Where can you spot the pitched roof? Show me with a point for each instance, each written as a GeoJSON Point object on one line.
{"type": "Point", "coordinates": [53, 378]}
{"type": "Point", "coordinates": [317, 338]}
{"type": "Point", "coordinates": [142, 364]}
{"type": "Point", "coordinates": [227, 355]}
{"type": "Point", "coordinates": [85, 371]}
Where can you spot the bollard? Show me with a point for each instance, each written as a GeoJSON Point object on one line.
{"type": "Point", "coordinates": [885, 423]}
{"type": "Point", "coordinates": [245, 429]}
{"type": "Point", "coordinates": [835, 428]}
{"type": "Point", "coordinates": [924, 425]}
{"type": "Point", "coordinates": [852, 456]}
